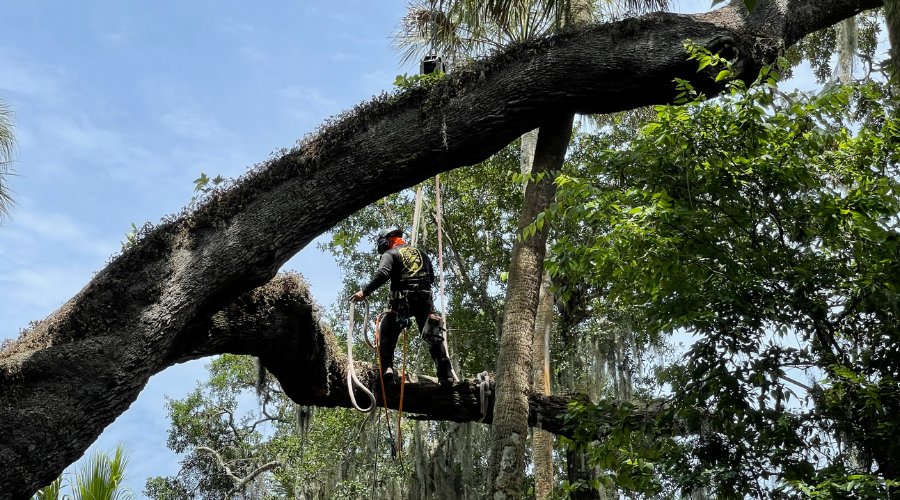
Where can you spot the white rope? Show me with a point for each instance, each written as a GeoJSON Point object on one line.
{"type": "Point", "coordinates": [352, 379]}
{"type": "Point", "coordinates": [437, 203]}
{"type": "Point", "coordinates": [365, 332]}
{"type": "Point", "coordinates": [483, 380]}
{"type": "Point", "coordinates": [414, 237]}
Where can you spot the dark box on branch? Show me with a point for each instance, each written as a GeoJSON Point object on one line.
{"type": "Point", "coordinates": [430, 64]}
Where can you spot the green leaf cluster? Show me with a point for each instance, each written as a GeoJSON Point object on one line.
{"type": "Point", "coordinates": [100, 476]}
{"type": "Point", "coordinates": [765, 225]}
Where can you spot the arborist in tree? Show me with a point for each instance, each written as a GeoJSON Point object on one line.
{"type": "Point", "coordinates": [411, 275]}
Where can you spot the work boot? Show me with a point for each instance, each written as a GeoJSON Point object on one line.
{"type": "Point", "coordinates": [386, 351]}
{"type": "Point", "coordinates": [444, 372]}
{"type": "Point", "coordinates": [390, 378]}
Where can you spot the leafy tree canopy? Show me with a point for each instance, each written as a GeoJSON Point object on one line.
{"type": "Point", "coordinates": [765, 225]}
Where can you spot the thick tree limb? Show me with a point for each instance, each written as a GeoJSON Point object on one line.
{"type": "Point", "coordinates": [278, 323]}
{"type": "Point", "coordinates": [150, 308]}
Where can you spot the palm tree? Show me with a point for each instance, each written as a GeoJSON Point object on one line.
{"type": "Point", "coordinates": [7, 147]}
{"type": "Point", "coordinates": [101, 476]}
{"type": "Point", "coordinates": [51, 491]}
{"type": "Point", "coordinates": [465, 29]}
{"type": "Point", "coordinates": [97, 478]}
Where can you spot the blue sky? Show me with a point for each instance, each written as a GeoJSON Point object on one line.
{"type": "Point", "coordinates": [121, 105]}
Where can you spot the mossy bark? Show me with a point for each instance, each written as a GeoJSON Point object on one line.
{"type": "Point", "coordinates": [153, 306]}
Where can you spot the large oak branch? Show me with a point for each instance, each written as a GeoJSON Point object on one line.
{"type": "Point", "coordinates": [86, 363]}
{"type": "Point", "coordinates": [278, 323]}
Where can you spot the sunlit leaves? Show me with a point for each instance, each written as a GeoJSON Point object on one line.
{"type": "Point", "coordinates": [765, 224]}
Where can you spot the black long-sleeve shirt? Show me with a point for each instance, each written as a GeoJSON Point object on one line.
{"type": "Point", "coordinates": [406, 267]}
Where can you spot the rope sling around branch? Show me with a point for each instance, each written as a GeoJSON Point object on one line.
{"type": "Point", "coordinates": [352, 379]}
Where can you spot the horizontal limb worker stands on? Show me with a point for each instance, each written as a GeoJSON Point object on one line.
{"type": "Point", "coordinates": [204, 282]}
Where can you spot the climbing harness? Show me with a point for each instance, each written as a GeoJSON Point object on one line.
{"type": "Point", "coordinates": [352, 379]}
{"type": "Point", "coordinates": [437, 203]}
{"type": "Point", "coordinates": [483, 380]}
{"type": "Point", "coordinates": [404, 320]}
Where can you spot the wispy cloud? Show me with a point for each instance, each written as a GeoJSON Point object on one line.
{"type": "Point", "coordinates": [77, 133]}
{"type": "Point", "coordinates": [32, 228]}
{"type": "Point", "coordinates": [342, 57]}
{"type": "Point", "coordinates": [256, 55]}
{"type": "Point", "coordinates": [19, 76]}
{"type": "Point", "coordinates": [179, 112]}
{"type": "Point", "coordinates": [236, 27]}
{"type": "Point", "coordinates": [312, 98]}
{"type": "Point", "coordinates": [374, 83]}
{"type": "Point", "coordinates": [113, 38]}
{"type": "Point", "coordinates": [192, 124]}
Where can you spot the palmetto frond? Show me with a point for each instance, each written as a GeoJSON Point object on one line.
{"type": "Point", "coordinates": [50, 492]}
{"type": "Point", "coordinates": [101, 477]}
{"type": "Point", "coordinates": [463, 29]}
{"type": "Point", "coordinates": [7, 148]}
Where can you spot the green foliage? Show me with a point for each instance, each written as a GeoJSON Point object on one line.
{"type": "Point", "coordinates": [818, 48]}
{"type": "Point", "coordinates": [209, 418]}
{"type": "Point", "coordinates": [100, 476]}
{"type": "Point", "coordinates": [131, 237]}
{"type": "Point", "coordinates": [479, 208]}
{"type": "Point", "coordinates": [50, 492]}
{"type": "Point", "coordinates": [415, 81]}
{"type": "Point", "coordinates": [761, 224]}
{"type": "Point", "coordinates": [202, 186]}
{"type": "Point", "coordinates": [308, 445]}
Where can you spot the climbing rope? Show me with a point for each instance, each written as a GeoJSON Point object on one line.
{"type": "Point", "coordinates": [371, 344]}
{"type": "Point", "coordinates": [400, 406]}
{"type": "Point", "coordinates": [352, 379]}
{"type": "Point", "coordinates": [387, 419]}
{"type": "Point", "coordinates": [375, 453]}
{"type": "Point", "coordinates": [483, 380]}
{"type": "Point", "coordinates": [414, 237]}
{"type": "Point", "coordinates": [437, 203]}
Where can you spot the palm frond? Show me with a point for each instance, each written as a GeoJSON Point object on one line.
{"type": "Point", "coordinates": [465, 29]}
{"type": "Point", "coordinates": [7, 149]}
{"type": "Point", "coordinates": [101, 477]}
{"type": "Point", "coordinates": [50, 492]}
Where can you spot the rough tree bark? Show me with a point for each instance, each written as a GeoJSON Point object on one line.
{"type": "Point", "coordinates": [513, 372]}
{"type": "Point", "coordinates": [87, 362]}
{"type": "Point", "coordinates": [542, 442]}
{"type": "Point", "coordinates": [892, 21]}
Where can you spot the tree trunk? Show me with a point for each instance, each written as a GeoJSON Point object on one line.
{"type": "Point", "coordinates": [513, 372]}
{"type": "Point", "coordinates": [577, 469]}
{"type": "Point", "coordinates": [892, 21]}
{"type": "Point", "coordinates": [542, 443]}
{"type": "Point", "coordinates": [154, 306]}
